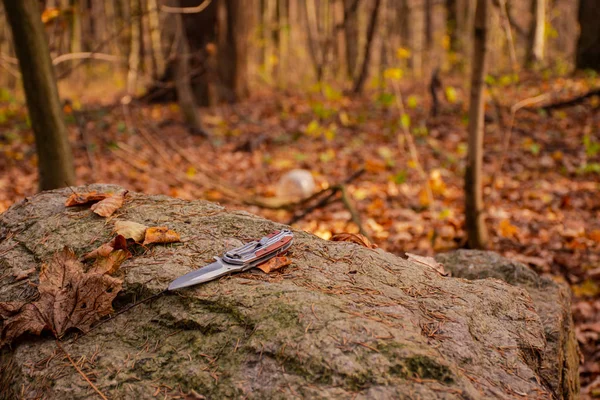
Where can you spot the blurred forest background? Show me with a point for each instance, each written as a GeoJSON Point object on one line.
{"type": "Point", "coordinates": [384, 102]}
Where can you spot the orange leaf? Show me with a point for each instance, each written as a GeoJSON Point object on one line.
{"type": "Point", "coordinates": [78, 199]}
{"type": "Point", "coordinates": [354, 238]}
{"type": "Point", "coordinates": [274, 264]}
{"type": "Point", "coordinates": [111, 263]}
{"type": "Point", "coordinates": [108, 206]}
{"type": "Point", "coordinates": [117, 243]}
{"type": "Point", "coordinates": [507, 229]}
{"type": "Point", "coordinates": [160, 234]}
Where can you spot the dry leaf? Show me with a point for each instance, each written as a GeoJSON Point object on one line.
{"type": "Point", "coordinates": [354, 238]}
{"type": "Point", "coordinates": [79, 199]}
{"type": "Point", "coordinates": [108, 206]}
{"type": "Point", "coordinates": [131, 230]}
{"type": "Point", "coordinates": [160, 234]}
{"type": "Point", "coordinates": [274, 264]}
{"type": "Point", "coordinates": [117, 243]}
{"type": "Point", "coordinates": [110, 263]}
{"type": "Point", "coordinates": [429, 261]}
{"type": "Point", "coordinates": [24, 274]}
{"type": "Point", "coordinates": [69, 298]}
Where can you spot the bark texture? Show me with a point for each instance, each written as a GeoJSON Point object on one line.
{"type": "Point", "coordinates": [588, 46]}
{"type": "Point", "coordinates": [55, 163]}
{"type": "Point", "coordinates": [474, 208]}
{"type": "Point", "coordinates": [342, 321]}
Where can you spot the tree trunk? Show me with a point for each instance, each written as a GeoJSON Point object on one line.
{"type": "Point", "coordinates": [158, 58]}
{"type": "Point", "coordinates": [185, 95]}
{"type": "Point", "coordinates": [54, 151]}
{"type": "Point", "coordinates": [351, 36]}
{"type": "Point", "coordinates": [588, 46]}
{"type": "Point", "coordinates": [134, 49]}
{"type": "Point", "coordinates": [234, 20]}
{"type": "Point", "coordinates": [364, 71]}
{"type": "Point", "coordinates": [535, 48]}
{"type": "Point", "coordinates": [475, 222]}
{"type": "Point", "coordinates": [452, 25]}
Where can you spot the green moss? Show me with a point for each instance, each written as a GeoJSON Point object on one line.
{"type": "Point", "coordinates": [426, 368]}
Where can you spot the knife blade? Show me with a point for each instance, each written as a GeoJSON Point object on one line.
{"type": "Point", "coordinates": [239, 259]}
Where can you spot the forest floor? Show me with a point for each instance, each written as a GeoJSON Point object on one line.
{"type": "Point", "coordinates": [542, 189]}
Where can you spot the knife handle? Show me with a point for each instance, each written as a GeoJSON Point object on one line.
{"type": "Point", "coordinates": [258, 251]}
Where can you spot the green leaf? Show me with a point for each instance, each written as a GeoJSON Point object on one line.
{"type": "Point", "coordinates": [405, 121]}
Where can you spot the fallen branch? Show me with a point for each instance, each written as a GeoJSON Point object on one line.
{"type": "Point", "coordinates": [353, 213]}
{"type": "Point", "coordinates": [325, 200]}
{"type": "Point", "coordinates": [571, 102]}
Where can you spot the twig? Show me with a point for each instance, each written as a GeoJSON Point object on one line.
{"type": "Point", "coordinates": [353, 213]}
{"type": "Point", "coordinates": [325, 200]}
{"type": "Point", "coordinates": [124, 310]}
{"type": "Point", "coordinates": [513, 110]}
{"type": "Point", "coordinates": [83, 375]}
{"type": "Point", "coordinates": [322, 203]}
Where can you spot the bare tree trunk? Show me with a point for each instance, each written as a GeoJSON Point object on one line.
{"type": "Point", "coordinates": [134, 49]}
{"type": "Point", "coordinates": [364, 71]}
{"type": "Point", "coordinates": [234, 20]}
{"type": "Point", "coordinates": [55, 163]}
{"type": "Point", "coordinates": [588, 45]}
{"type": "Point", "coordinates": [452, 25]}
{"type": "Point", "coordinates": [428, 22]}
{"type": "Point", "coordinates": [351, 36]}
{"type": "Point", "coordinates": [314, 39]}
{"type": "Point", "coordinates": [474, 208]}
{"type": "Point", "coordinates": [537, 33]}
{"type": "Point", "coordinates": [158, 57]}
{"type": "Point", "coordinates": [185, 95]}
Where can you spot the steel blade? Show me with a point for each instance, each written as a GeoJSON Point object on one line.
{"type": "Point", "coordinates": [204, 274]}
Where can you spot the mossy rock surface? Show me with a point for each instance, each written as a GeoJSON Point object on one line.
{"type": "Point", "coordinates": [342, 321]}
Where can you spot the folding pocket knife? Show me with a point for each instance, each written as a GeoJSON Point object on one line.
{"type": "Point", "coordinates": [239, 259]}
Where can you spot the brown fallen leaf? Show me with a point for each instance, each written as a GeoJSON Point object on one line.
{"type": "Point", "coordinates": [429, 261]}
{"type": "Point", "coordinates": [131, 230]}
{"type": "Point", "coordinates": [108, 206]}
{"type": "Point", "coordinates": [69, 298]}
{"type": "Point", "coordinates": [21, 275]}
{"type": "Point", "coordinates": [111, 262]}
{"type": "Point", "coordinates": [354, 238]}
{"type": "Point", "coordinates": [117, 243]}
{"type": "Point", "coordinates": [79, 199]}
{"type": "Point", "coordinates": [274, 264]}
{"type": "Point", "coordinates": [160, 234]}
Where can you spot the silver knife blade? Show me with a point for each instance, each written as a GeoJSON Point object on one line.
{"type": "Point", "coordinates": [207, 273]}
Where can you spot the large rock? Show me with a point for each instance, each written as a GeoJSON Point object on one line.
{"type": "Point", "coordinates": [552, 301]}
{"type": "Point", "coordinates": [342, 321]}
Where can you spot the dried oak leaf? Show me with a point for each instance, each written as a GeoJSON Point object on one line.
{"type": "Point", "coordinates": [354, 238]}
{"type": "Point", "coordinates": [274, 264]}
{"type": "Point", "coordinates": [117, 243]}
{"type": "Point", "coordinates": [131, 230]}
{"type": "Point", "coordinates": [69, 298]}
{"type": "Point", "coordinates": [160, 234]}
{"type": "Point", "coordinates": [79, 199]}
{"type": "Point", "coordinates": [108, 206]}
{"type": "Point", "coordinates": [428, 261]}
